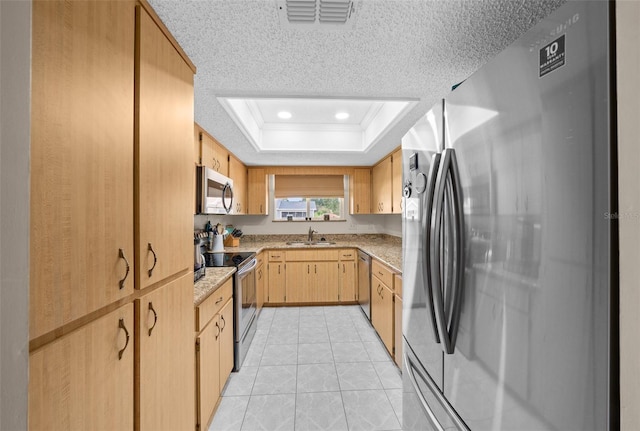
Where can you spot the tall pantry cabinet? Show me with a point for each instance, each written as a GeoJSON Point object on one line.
{"type": "Point", "coordinates": [111, 172]}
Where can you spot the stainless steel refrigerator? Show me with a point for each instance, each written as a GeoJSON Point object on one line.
{"type": "Point", "coordinates": [510, 239]}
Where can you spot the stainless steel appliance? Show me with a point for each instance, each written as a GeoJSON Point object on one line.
{"type": "Point", "coordinates": [244, 297]}
{"type": "Point", "coordinates": [364, 282]}
{"type": "Point", "coordinates": [510, 285]}
{"type": "Point", "coordinates": [214, 192]}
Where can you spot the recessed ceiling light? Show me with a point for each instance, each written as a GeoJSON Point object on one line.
{"type": "Point", "coordinates": [285, 115]}
{"type": "Point", "coordinates": [342, 115]}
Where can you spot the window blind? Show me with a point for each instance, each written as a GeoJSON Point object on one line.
{"type": "Point", "coordinates": [302, 186]}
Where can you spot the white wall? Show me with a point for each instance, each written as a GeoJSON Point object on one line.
{"type": "Point", "coordinates": [15, 77]}
{"type": "Point", "coordinates": [628, 64]}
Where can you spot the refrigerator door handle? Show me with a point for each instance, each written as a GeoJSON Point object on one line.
{"type": "Point", "coordinates": [447, 175]}
{"type": "Point", "coordinates": [425, 227]}
{"type": "Point", "coordinates": [412, 369]}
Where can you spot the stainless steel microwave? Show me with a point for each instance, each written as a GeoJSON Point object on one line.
{"type": "Point", "coordinates": [214, 192]}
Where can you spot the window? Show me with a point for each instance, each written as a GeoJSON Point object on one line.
{"type": "Point", "coordinates": [309, 197]}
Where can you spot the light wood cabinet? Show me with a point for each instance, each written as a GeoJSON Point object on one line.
{"type": "Point", "coordinates": [214, 352]}
{"type": "Point", "coordinates": [238, 173]}
{"type": "Point", "coordinates": [381, 187]}
{"type": "Point", "coordinates": [276, 280]}
{"type": "Point", "coordinates": [260, 282]}
{"type": "Point", "coordinates": [396, 182]}
{"type": "Point", "coordinates": [81, 207]}
{"type": "Point", "coordinates": [360, 191]}
{"type": "Point", "coordinates": [312, 276]}
{"type": "Point", "coordinates": [165, 384]}
{"type": "Point", "coordinates": [397, 321]}
{"type": "Point", "coordinates": [382, 303]}
{"type": "Point", "coordinates": [208, 372]}
{"type": "Point", "coordinates": [348, 276]}
{"type": "Point", "coordinates": [81, 381]}
{"type": "Point", "coordinates": [213, 154]}
{"type": "Point", "coordinates": [258, 192]}
{"type": "Point", "coordinates": [164, 174]}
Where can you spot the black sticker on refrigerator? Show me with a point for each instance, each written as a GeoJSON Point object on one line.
{"type": "Point", "coordinates": [552, 56]}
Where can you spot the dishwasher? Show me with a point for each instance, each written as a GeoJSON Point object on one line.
{"type": "Point", "coordinates": [364, 283]}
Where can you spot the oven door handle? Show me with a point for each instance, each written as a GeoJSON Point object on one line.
{"type": "Point", "coordinates": [249, 267]}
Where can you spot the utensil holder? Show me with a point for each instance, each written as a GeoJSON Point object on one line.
{"type": "Point", "coordinates": [217, 243]}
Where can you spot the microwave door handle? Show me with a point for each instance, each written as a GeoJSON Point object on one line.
{"type": "Point", "coordinates": [224, 202]}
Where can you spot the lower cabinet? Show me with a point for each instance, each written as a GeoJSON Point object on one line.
{"type": "Point", "coordinates": [382, 311]}
{"type": "Point", "coordinates": [214, 362]}
{"type": "Point", "coordinates": [164, 383]}
{"type": "Point", "coordinates": [82, 381]}
{"type": "Point", "coordinates": [347, 270]}
{"type": "Point", "coordinates": [260, 282]}
{"type": "Point", "coordinates": [397, 320]}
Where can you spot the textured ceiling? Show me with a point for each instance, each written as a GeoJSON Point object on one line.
{"type": "Point", "coordinates": [398, 49]}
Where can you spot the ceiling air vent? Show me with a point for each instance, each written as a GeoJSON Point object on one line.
{"type": "Point", "coordinates": [323, 15]}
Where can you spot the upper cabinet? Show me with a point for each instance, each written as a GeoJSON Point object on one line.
{"type": "Point", "coordinates": [213, 154]}
{"type": "Point", "coordinates": [381, 187]}
{"type": "Point", "coordinates": [257, 192]}
{"type": "Point", "coordinates": [396, 181]}
{"type": "Point", "coordinates": [82, 159]}
{"type": "Point", "coordinates": [360, 191]}
{"type": "Point", "coordinates": [238, 173]}
{"type": "Point", "coordinates": [164, 173]}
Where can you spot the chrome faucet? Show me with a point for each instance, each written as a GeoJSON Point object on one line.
{"type": "Point", "coordinates": [311, 232]}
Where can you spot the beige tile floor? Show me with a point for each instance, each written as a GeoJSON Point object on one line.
{"type": "Point", "coordinates": [313, 368]}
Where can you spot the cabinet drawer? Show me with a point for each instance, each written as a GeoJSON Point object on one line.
{"type": "Point", "coordinates": [397, 280]}
{"type": "Point", "coordinates": [348, 254]}
{"type": "Point", "coordinates": [260, 259]}
{"type": "Point", "coordinates": [327, 254]}
{"type": "Point", "coordinates": [213, 304]}
{"type": "Point", "coordinates": [276, 256]}
{"type": "Point", "coordinates": [382, 272]}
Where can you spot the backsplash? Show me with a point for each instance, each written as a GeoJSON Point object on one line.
{"type": "Point", "coordinates": [390, 224]}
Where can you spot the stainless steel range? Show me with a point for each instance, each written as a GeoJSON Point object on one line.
{"type": "Point", "coordinates": [244, 297]}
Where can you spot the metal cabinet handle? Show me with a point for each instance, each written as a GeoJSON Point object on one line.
{"type": "Point", "coordinates": [260, 208]}
{"type": "Point", "coordinates": [126, 333]}
{"type": "Point", "coordinates": [121, 256]}
{"type": "Point", "coordinates": [308, 269]}
{"type": "Point", "coordinates": [343, 270]}
{"type": "Point", "coordinates": [223, 321]}
{"type": "Point", "coordinates": [218, 334]}
{"type": "Point", "coordinates": [155, 258]}
{"type": "Point", "coordinates": [219, 300]}
{"type": "Point", "coordinates": [315, 269]}
{"type": "Point", "coordinates": [357, 208]}
{"type": "Point", "coordinates": [278, 269]}
{"type": "Point", "coordinates": [155, 317]}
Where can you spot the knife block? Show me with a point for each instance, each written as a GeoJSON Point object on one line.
{"type": "Point", "coordinates": [231, 241]}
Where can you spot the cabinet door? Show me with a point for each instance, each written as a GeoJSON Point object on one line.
{"type": "Point", "coordinates": [396, 182]}
{"type": "Point", "coordinates": [347, 280]}
{"type": "Point", "coordinates": [277, 280]}
{"type": "Point", "coordinates": [381, 174]}
{"type": "Point", "coordinates": [238, 173]}
{"type": "Point", "coordinates": [226, 342]}
{"type": "Point", "coordinates": [300, 287]}
{"type": "Point", "coordinates": [326, 279]}
{"type": "Point", "coordinates": [360, 191]}
{"type": "Point", "coordinates": [79, 381]}
{"type": "Point", "coordinates": [382, 311]}
{"type": "Point", "coordinates": [208, 366]}
{"type": "Point", "coordinates": [164, 171]}
{"type": "Point", "coordinates": [81, 159]}
{"type": "Point", "coordinates": [260, 285]}
{"type": "Point", "coordinates": [257, 200]}
{"type": "Point", "coordinates": [197, 144]}
{"type": "Point", "coordinates": [397, 330]}
{"type": "Point", "coordinates": [164, 335]}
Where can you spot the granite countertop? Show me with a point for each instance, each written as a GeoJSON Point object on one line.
{"type": "Point", "coordinates": [213, 279]}
{"type": "Point", "coordinates": [385, 248]}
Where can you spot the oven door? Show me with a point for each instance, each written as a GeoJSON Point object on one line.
{"type": "Point", "coordinates": [245, 310]}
